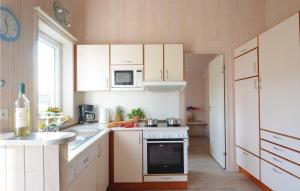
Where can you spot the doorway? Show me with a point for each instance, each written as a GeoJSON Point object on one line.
{"type": "Point", "coordinates": [205, 107]}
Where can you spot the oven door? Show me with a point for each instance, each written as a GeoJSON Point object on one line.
{"type": "Point", "coordinates": [165, 156]}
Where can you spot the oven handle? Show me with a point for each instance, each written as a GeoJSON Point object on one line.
{"type": "Point", "coordinates": [165, 141]}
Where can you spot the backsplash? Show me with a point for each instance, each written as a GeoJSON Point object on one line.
{"type": "Point", "coordinates": [159, 105]}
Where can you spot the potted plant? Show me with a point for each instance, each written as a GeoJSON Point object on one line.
{"type": "Point", "coordinates": [118, 114]}
{"type": "Point", "coordinates": [136, 114]}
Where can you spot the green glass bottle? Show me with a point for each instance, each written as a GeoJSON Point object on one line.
{"type": "Point", "coordinates": [22, 113]}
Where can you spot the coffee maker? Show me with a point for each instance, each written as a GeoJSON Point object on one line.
{"type": "Point", "coordinates": [86, 114]}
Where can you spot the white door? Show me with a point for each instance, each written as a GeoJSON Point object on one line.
{"type": "Point", "coordinates": [216, 110]}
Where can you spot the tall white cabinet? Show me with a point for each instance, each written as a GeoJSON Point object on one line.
{"type": "Point", "coordinates": [247, 107]}
{"type": "Point", "coordinates": [267, 97]}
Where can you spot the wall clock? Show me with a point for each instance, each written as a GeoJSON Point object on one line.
{"type": "Point", "coordinates": [9, 25]}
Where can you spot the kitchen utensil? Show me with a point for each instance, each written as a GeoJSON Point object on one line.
{"type": "Point", "coordinates": [172, 122]}
{"type": "Point", "coordinates": [151, 122]}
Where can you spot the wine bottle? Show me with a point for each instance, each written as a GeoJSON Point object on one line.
{"type": "Point", "coordinates": [22, 113]}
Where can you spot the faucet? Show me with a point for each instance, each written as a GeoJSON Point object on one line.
{"type": "Point", "coordinates": [54, 127]}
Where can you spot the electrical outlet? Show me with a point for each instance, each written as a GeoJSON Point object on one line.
{"type": "Point", "coordinates": [3, 114]}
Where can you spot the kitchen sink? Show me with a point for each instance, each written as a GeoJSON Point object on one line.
{"type": "Point", "coordinates": [82, 135]}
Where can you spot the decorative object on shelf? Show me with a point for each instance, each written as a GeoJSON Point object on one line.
{"type": "Point", "coordinates": [9, 25]}
{"type": "Point", "coordinates": [61, 14]}
{"type": "Point", "coordinates": [136, 114]}
{"type": "Point", "coordinates": [118, 114]}
{"type": "Point", "coordinates": [191, 110]}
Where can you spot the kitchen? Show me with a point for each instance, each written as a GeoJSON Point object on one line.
{"type": "Point", "coordinates": [101, 46]}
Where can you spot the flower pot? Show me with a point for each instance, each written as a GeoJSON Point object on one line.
{"type": "Point", "coordinates": [135, 119]}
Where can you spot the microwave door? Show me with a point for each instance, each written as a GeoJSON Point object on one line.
{"type": "Point", "coordinates": [123, 78]}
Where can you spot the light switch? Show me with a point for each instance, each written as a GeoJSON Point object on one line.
{"type": "Point", "coordinates": [3, 114]}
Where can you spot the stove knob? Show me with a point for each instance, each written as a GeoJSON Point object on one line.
{"type": "Point", "coordinates": [168, 136]}
{"type": "Point", "coordinates": [179, 136]}
{"type": "Point", "coordinates": [165, 136]}
{"type": "Point", "coordinates": [153, 136]}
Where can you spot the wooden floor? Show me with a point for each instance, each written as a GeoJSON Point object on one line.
{"type": "Point", "coordinates": [205, 174]}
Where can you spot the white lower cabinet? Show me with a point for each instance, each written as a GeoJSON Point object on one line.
{"type": "Point", "coordinates": [128, 156]}
{"type": "Point", "coordinates": [248, 162]}
{"type": "Point", "coordinates": [103, 163]}
{"type": "Point", "coordinates": [277, 179]}
{"type": "Point", "coordinates": [87, 179]}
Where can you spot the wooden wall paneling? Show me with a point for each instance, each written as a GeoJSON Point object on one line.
{"type": "Point", "coordinates": [34, 168]}
{"type": "Point", "coordinates": [51, 167]}
{"type": "Point", "coordinates": [278, 10]}
{"type": "Point", "coordinates": [3, 168]}
{"type": "Point", "coordinates": [15, 168]}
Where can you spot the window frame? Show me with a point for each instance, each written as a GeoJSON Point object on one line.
{"type": "Point", "coordinates": [57, 67]}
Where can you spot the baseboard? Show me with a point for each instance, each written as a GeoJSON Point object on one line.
{"type": "Point", "coordinates": [148, 186]}
{"type": "Point", "coordinates": [253, 179]}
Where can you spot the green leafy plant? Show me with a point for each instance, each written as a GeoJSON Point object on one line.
{"type": "Point", "coordinates": [138, 112]}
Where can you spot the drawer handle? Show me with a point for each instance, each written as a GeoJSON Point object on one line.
{"type": "Point", "coordinates": [278, 172]}
{"type": "Point", "coordinates": [166, 178]}
{"type": "Point", "coordinates": [126, 61]}
{"type": "Point", "coordinates": [254, 67]}
{"type": "Point", "coordinates": [244, 50]}
{"type": "Point", "coordinates": [255, 84]}
{"type": "Point", "coordinates": [245, 153]}
{"type": "Point", "coordinates": [85, 160]}
{"type": "Point", "coordinates": [275, 137]}
{"type": "Point", "coordinates": [278, 149]}
{"type": "Point", "coordinates": [277, 160]}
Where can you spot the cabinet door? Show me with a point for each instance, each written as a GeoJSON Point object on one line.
{"type": "Point", "coordinates": [279, 54]}
{"type": "Point", "coordinates": [103, 163]}
{"type": "Point", "coordinates": [154, 61]}
{"type": "Point", "coordinates": [247, 114]}
{"type": "Point", "coordinates": [246, 65]}
{"type": "Point", "coordinates": [128, 158]}
{"type": "Point", "coordinates": [92, 67]}
{"type": "Point", "coordinates": [248, 161]}
{"type": "Point", "coordinates": [87, 180]}
{"type": "Point", "coordinates": [251, 44]}
{"type": "Point", "coordinates": [127, 54]}
{"type": "Point", "coordinates": [173, 60]}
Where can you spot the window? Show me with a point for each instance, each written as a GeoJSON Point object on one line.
{"type": "Point", "coordinates": [49, 73]}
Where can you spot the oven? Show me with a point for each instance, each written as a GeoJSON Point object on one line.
{"type": "Point", "coordinates": [165, 155]}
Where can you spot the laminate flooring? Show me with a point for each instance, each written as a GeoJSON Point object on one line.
{"type": "Point", "coordinates": [206, 175]}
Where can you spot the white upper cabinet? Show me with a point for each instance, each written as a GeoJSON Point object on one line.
{"type": "Point", "coordinates": [173, 62]}
{"type": "Point", "coordinates": [154, 62]}
{"type": "Point", "coordinates": [247, 114]}
{"type": "Point", "coordinates": [127, 54]}
{"type": "Point", "coordinates": [279, 54]}
{"type": "Point", "coordinates": [128, 156]}
{"type": "Point", "coordinates": [92, 67]}
{"type": "Point", "coordinates": [246, 65]}
{"type": "Point", "coordinates": [251, 44]}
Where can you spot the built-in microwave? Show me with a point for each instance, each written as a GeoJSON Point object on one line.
{"type": "Point", "coordinates": [127, 76]}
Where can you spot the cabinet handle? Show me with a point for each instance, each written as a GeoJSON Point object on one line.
{"type": "Point", "coordinates": [165, 178]}
{"type": "Point", "coordinates": [100, 151]}
{"type": "Point", "coordinates": [140, 138]}
{"type": "Point", "coordinates": [244, 50]}
{"type": "Point", "coordinates": [161, 74]}
{"type": "Point", "coordinates": [275, 137]}
{"type": "Point", "coordinates": [277, 160]}
{"type": "Point", "coordinates": [245, 153]}
{"type": "Point", "coordinates": [278, 172]}
{"type": "Point", "coordinates": [278, 149]}
{"type": "Point", "coordinates": [107, 83]}
{"type": "Point", "coordinates": [85, 160]}
{"type": "Point", "coordinates": [167, 74]}
{"type": "Point", "coordinates": [255, 84]}
{"type": "Point", "coordinates": [254, 67]}
{"type": "Point", "coordinates": [126, 61]}
{"type": "Point", "coordinates": [259, 83]}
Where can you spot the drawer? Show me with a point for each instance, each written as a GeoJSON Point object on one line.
{"type": "Point", "coordinates": [246, 47]}
{"type": "Point", "coordinates": [178, 178]}
{"type": "Point", "coordinates": [281, 151]}
{"type": "Point", "coordinates": [277, 179]}
{"type": "Point", "coordinates": [248, 162]}
{"type": "Point", "coordinates": [246, 65]}
{"type": "Point", "coordinates": [281, 140]}
{"type": "Point", "coordinates": [282, 163]}
{"type": "Point", "coordinates": [85, 159]}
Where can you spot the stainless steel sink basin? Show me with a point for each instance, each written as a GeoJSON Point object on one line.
{"type": "Point", "coordinates": [82, 135]}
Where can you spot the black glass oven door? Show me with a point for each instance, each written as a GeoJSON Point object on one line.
{"type": "Point", "coordinates": [165, 158]}
{"type": "Point", "coordinates": [123, 77]}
